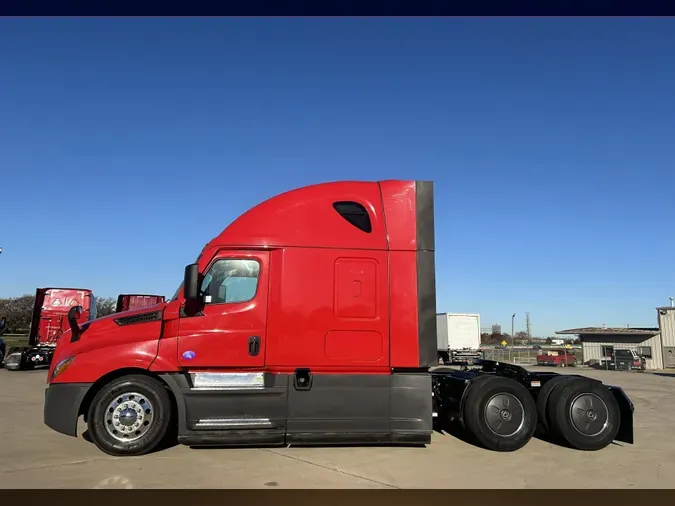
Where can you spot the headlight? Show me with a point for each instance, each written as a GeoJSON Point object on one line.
{"type": "Point", "coordinates": [12, 361]}
{"type": "Point", "coordinates": [61, 366]}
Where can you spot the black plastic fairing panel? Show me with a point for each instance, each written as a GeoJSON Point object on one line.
{"type": "Point", "coordinates": [426, 273]}
{"type": "Point", "coordinates": [335, 409]}
{"type": "Point", "coordinates": [424, 204]}
{"type": "Point", "coordinates": [61, 406]}
{"type": "Point", "coordinates": [230, 412]}
{"type": "Point", "coordinates": [250, 437]}
{"type": "Point", "coordinates": [411, 405]}
{"type": "Point", "coordinates": [426, 308]}
{"type": "Point", "coordinates": [239, 409]}
{"type": "Point", "coordinates": [339, 408]}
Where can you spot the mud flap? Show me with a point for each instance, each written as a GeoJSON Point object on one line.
{"type": "Point", "coordinates": [626, 408]}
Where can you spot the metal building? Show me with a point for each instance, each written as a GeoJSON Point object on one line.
{"type": "Point", "coordinates": [598, 343]}
{"type": "Point", "coordinates": [667, 327]}
{"type": "Point", "coordinates": [656, 344]}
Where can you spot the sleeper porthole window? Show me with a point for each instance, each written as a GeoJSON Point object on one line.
{"type": "Point", "coordinates": [354, 213]}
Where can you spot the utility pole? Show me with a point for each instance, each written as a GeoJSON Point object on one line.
{"type": "Point", "coordinates": [513, 319]}
{"type": "Point", "coordinates": [528, 326]}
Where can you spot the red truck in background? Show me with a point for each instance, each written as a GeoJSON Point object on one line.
{"type": "Point", "coordinates": [126, 301]}
{"type": "Point", "coordinates": [49, 321]}
{"type": "Point", "coordinates": [310, 319]}
{"type": "Point", "coordinates": [557, 358]}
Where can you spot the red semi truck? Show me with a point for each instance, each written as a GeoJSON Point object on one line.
{"type": "Point", "coordinates": [127, 301]}
{"type": "Point", "coordinates": [49, 321]}
{"type": "Point", "coordinates": [310, 319]}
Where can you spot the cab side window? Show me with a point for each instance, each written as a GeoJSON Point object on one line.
{"type": "Point", "coordinates": [231, 280]}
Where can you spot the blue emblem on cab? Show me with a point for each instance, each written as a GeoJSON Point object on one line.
{"type": "Point", "coordinates": [188, 355]}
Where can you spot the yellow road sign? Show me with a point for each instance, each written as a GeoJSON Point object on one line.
{"type": "Point", "coordinates": [504, 343]}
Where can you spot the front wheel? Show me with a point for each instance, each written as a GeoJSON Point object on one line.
{"type": "Point", "coordinates": [130, 416]}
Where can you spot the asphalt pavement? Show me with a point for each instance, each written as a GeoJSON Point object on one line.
{"type": "Point", "coordinates": [33, 456]}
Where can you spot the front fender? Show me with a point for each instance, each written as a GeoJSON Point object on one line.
{"type": "Point", "coordinates": [92, 364]}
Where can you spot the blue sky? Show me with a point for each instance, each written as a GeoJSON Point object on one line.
{"type": "Point", "coordinates": [126, 144]}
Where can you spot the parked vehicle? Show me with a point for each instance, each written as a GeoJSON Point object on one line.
{"type": "Point", "coordinates": [624, 360]}
{"type": "Point", "coordinates": [3, 345]}
{"type": "Point", "coordinates": [557, 358]}
{"type": "Point", "coordinates": [310, 319]}
{"type": "Point", "coordinates": [127, 301]}
{"type": "Point", "coordinates": [458, 338]}
{"type": "Point", "coordinates": [49, 321]}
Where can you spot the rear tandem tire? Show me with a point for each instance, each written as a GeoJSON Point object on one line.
{"type": "Point", "coordinates": [499, 414]}
{"type": "Point", "coordinates": [583, 414]}
{"type": "Point", "coordinates": [134, 407]}
{"type": "Point", "coordinates": [543, 425]}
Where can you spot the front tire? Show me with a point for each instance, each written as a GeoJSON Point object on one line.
{"type": "Point", "coordinates": [583, 414]}
{"type": "Point", "coordinates": [130, 416]}
{"type": "Point", "coordinates": [500, 414]}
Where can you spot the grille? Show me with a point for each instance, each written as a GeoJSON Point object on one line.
{"type": "Point", "coordinates": [152, 316]}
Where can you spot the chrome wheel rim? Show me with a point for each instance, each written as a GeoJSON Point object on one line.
{"type": "Point", "coordinates": [589, 414]}
{"type": "Point", "coordinates": [129, 417]}
{"type": "Point", "coordinates": [504, 414]}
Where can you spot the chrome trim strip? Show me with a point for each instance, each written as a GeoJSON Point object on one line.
{"type": "Point", "coordinates": [228, 381]}
{"type": "Point", "coordinates": [233, 422]}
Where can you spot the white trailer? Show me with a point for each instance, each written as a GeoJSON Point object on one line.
{"type": "Point", "coordinates": [458, 338]}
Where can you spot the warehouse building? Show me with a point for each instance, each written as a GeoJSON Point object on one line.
{"type": "Point", "coordinates": [656, 344]}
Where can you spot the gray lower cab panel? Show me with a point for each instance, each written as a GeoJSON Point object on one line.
{"type": "Point", "coordinates": [411, 406]}
{"type": "Point", "coordinates": [223, 409]}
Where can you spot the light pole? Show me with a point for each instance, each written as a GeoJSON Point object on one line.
{"type": "Point", "coordinates": [513, 320]}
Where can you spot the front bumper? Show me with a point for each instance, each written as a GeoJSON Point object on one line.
{"type": "Point", "coordinates": [62, 406]}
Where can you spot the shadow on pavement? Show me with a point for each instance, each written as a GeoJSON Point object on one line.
{"type": "Point", "coordinates": [454, 429]}
{"type": "Point", "coordinates": [169, 441]}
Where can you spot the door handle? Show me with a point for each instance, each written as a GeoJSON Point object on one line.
{"type": "Point", "coordinates": [253, 345]}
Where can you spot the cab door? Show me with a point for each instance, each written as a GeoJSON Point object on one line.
{"type": "Point", "coordinates": [230, 330]}
{"type": "Point", "coordinates": [230, 399]}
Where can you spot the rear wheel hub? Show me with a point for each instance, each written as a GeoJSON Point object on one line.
{"type": "Point", "coordinates": [589, 414]}
{"type": "Point", "coordinates": [504, 414]}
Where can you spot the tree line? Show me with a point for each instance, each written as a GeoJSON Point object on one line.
{"type": "Point", "coordinates": [19, 311]}
{"type": "Point", "coordinates": [520, 338]}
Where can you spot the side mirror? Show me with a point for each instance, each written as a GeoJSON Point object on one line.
{"type": "Point", "coordinates": [75, 314]}
{"type": "Point", "coordinates": [191, 283]}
